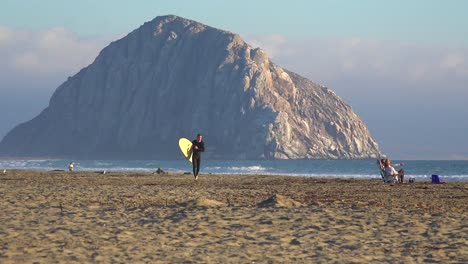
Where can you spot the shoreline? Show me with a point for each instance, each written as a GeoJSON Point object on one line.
{"type": "Point", "coordinates": [454, 171]}
{"type": "Point", "coordinates": [365, 177]}
{"type": "Point", "coordinates": [60, 216]}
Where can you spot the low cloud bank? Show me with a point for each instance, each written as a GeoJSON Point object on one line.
{"type": "Point", "coordinates": [50, 52]}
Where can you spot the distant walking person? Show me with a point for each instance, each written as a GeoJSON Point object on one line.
{"type": "Point", "coordinates": [71, 166]}
{"type": "Point", "coordinates": [198, 147]}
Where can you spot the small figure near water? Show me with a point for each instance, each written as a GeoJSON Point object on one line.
{"type": "Point", "coordinates": [161, 171]}
{"type": "Point", "coordinates": [198, 147]}
{"type": "Point", "coordinates": [71, 166]}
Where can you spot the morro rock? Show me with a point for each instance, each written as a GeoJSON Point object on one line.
{"type": "Point", "coordinates": [173, 78]}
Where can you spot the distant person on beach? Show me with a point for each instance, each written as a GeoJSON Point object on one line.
{"type": "Point", "coordinates": [390, 171]}
{"type": "Point", "coordinates": [71, 166]}
{"type": "Point", "coordinates": [198, 147]}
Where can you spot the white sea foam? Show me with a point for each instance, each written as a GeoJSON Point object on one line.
{"type": "Point", "coordinates": [255, 169]}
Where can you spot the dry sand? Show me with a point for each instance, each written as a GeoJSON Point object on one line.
{"type": "Point", "coordinates": [50, 217]}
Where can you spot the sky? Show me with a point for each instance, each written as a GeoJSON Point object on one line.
{"type": "Point", "coordinates": [401, 65]}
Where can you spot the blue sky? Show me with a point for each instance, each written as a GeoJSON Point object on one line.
{"type": "Point", "coordinates": [413, 20]}
{"type": "Point", "coordinates": [404, 60]}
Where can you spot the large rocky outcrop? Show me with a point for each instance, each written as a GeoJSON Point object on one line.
{"type": "Point", "coordinates": [173, 78]}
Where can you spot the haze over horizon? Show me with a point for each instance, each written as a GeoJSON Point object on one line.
{"type": "Point", "coordinates": [404, 71]}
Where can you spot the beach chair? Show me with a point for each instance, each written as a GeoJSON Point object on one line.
{"type": "Point", "coordinates": [386, 178]}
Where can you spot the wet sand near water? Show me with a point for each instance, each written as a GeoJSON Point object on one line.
{"type": "Point", "coordinates": [79, 217]}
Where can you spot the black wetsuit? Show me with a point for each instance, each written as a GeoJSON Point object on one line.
{"type": "Point", "coordinates": [196, 156]}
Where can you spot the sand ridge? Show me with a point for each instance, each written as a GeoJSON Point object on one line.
{"type": "Point", "coordinates": [278, 200]}
{"type": "Point", "coordinates": [50, 217]}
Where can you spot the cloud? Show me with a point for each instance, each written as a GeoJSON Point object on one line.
{"type": "Point", "coordinates": [357, 56]}
{"type": "Point", "coordinates": [59, 52]}
{"type": "Point", "coordinates": [270, 43]}
{"type": "Point", "coordinates": [49, 52]}
{"type": "Point", "coordinates": [455, 62]}
{"type": "Point", "coordinates": [5, 35]}
{"type": "Point", "coordinates": [34, 63]}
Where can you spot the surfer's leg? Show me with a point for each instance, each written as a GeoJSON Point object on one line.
{"type": "Point", "coordinates": [198, 164]}
{"type": "Point", "coordinates": [194, 166]}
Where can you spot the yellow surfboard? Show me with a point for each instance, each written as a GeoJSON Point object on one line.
{"type": "Point", "coordinates": [186, 148]}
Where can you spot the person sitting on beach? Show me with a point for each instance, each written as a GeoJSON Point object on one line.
{"type": "Point", "coordinates": [385, 178]}
{"type": "Point", "coordinates": [391, 172]}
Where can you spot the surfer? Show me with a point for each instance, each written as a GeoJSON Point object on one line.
{"type": "Point", "coordinates": [198, 147]}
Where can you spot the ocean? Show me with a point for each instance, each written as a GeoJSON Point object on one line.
{"type": "Point", "coordinates": [448, 170]}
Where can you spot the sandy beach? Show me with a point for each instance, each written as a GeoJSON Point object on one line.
{"type": "Point", "coordinates": [82, 217]}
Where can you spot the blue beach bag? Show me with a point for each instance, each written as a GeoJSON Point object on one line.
{"type": "Point", "coordinates": [435, 178]}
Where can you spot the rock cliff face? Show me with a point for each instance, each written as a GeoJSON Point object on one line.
{"type": "Point", "coordinates": [173, 78]}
